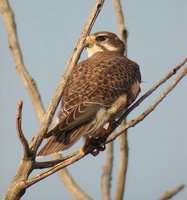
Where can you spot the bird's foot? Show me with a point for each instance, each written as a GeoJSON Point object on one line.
{"type": "Point", "coordinates": [97, 143]}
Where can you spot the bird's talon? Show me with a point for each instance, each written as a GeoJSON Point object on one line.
{"type": "Point", "coordinates": [95, 152]}
{"type": "Point", "coordinates": [102, 147]}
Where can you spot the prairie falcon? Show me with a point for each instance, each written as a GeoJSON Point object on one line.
{"type": "Point", "coordinates": [96, 93]}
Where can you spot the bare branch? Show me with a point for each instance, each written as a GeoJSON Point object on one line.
{"type": "Point", "coordinates": [123, 140]}
{"type": "Point", "coordinates": [15, 49]}
{"type": "Point", "coordinates": [62, 164]}
{"type": "Point", "coordinates": [69, 160]}
{"type": "Point", "coordinates": [123, 164]}
{"type": "Point", "coordinates": [120, 20]}
{"type": "Point", "coordinates": [107, 172]}
{"type": "Point", "coordinates": [23, 140]}
{"type": "Point", "coordinates": [80, 45]}
{"type": "Point", "coordinates": [169, 194]}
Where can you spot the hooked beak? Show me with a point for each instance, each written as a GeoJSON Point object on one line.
{"type": "Point", "coordinates": [89, 42]}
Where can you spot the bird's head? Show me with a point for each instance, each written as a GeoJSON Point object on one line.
{"type": "Point", "coordinates": [103, 41]}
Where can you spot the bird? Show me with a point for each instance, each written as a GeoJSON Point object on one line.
{"type": "Point", "coordinates": [96, 93]}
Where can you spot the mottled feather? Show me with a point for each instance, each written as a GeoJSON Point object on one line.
{"type": "Point", "coordinates": [94, 86]}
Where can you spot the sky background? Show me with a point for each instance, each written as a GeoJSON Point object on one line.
{"type": "Point", "coordinates": [48, 31]}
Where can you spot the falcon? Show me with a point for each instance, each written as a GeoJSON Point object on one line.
{"type": "Point", "coordinates": [97, 92]}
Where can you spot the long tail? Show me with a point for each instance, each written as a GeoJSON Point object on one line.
{"type": "Point", "coordinates": [56, 144]}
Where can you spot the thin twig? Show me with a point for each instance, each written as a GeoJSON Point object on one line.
{"type": "Point", "coordinates": [51, 163]}
{"type": "Point", "coordinates": [23, 140]}
{"type": "Point", "coordinates": [48, 164]}
{"type": "Point", "coordinates": [107, 172]}
{"type": "Point", "coordinates": [123, 163]}
{"type": "Point", "coordinates": [169, 194]}
{"type": "Point", "coordinates": [120, 21]}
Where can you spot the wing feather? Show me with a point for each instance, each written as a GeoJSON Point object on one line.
{"type": "Point", "coordinates": [94, 83]}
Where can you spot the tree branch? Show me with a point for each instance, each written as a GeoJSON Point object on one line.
{"type": "Point", "coordinates": [23, 140]}
{"type": "Point", "coordinates": [123, 139]}
{"type": "Point", "coordinates": [52, 163]}
{"type": "Point", "coordinates": [120, 21]}
{"type": "Point", "coordinates": [169, 194]}
{"type": "Point", "coordinates": [15, 49]}
{"type": "Point", "coordinates": [123, 163]}
{"type": "Point", "coordinates": [107, 172]}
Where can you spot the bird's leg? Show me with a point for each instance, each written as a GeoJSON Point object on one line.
{"type": "Point", "coordinates": [86, 144]}
{"type": "Point", "coordinates": [94, 142]}
{"type": "Point", "coordinates": [103, 135]}
{"type": "Point", "coordinates": [98, 142]}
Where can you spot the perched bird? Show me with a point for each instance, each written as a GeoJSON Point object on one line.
{"type": "Point", "coordinates": [97, 92]}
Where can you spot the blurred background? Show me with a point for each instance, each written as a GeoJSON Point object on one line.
{"type": "Point", "coordinates": [48, 32]}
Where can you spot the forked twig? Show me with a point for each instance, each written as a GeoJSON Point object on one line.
{"type": "Point", "coordinates": [23, 140]}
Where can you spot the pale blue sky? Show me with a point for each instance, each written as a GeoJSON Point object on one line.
{"type": "Point", "coordinates": [47, 33]}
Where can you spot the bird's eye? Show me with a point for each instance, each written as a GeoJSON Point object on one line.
{"type": "Point", "coordinates": [101, 38]}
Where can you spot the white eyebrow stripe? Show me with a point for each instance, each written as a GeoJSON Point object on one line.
{"type": "Point", "coordinates": [110, 47]}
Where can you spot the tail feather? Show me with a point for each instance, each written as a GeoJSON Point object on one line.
{"type": "Point", "coordinates": [55, 145]}
{"type": "Point", "coordinates": [60, 141]}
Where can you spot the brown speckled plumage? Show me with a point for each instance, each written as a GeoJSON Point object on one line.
{"type": "Point", "coordinates": [93, 88]}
